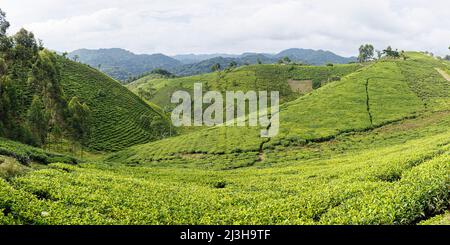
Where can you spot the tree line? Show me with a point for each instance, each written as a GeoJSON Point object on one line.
{"type": "Point", "coordinates": [33, 106]}
{"type": "Point", "coordinates": [367, 53]}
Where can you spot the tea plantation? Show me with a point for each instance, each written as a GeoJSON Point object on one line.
{"type": "Point", "coordinates": [369, 148]}
{"type": "Point", "coordinates": [117, 113]}
{"type": "Point", "coordinates": [268, 77]}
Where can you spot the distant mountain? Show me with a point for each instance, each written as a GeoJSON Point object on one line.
{"type": "Point", "coordinates": [122, 64]}
{"type": "Point", "coordinates": [195, 58]}
{"type": "Point", "coordinates": [204, 66]}
{"type": "Point", "coordinates": [313, 57]}
{"type": "Point", "coordinates": [306, 56]}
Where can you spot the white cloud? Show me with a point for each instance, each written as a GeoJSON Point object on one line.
{"type": "Point", "coordinates": [234, 26]}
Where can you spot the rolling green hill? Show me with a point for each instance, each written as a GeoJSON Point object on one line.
{"type": "Point", "coordinates": [376, 95]}
{"type": "Point", "coordinates": [119, 118]}
{"type": "Point", "coordinates": [396, 174]}
{"type": "Point", "coordinates": [254, 77]}
{"type": "Point", "coordinates": [371, 148]}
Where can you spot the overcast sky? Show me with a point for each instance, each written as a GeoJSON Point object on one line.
{"type": "Point", "coordinates": [174, 27]}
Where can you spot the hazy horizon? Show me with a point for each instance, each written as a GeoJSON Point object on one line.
{"type": "Point", "coordinates": [234, 27]}
{"type": "Point", "coordinates": [212, 53]}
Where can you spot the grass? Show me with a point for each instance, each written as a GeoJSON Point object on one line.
{"type": "Point", "coordinates": [116, 112]}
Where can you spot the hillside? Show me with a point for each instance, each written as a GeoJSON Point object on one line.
{"type": "Point", "coordinates": [119, 118]}
{"type": "Point", "coordinates": [26, 154]}
{"type": "Point", "coordinates": [376, 95]}
{"type": "Point", "coordinates": [122, 64]}
{"type": "Point", "coordinates": [254, 77]}
{"type": "Point", "coordinates": [371, 148]}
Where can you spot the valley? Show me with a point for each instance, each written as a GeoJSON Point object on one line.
{"type": "Point", "coordinates": [368, 145]}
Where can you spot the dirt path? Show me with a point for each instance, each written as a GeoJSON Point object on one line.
{"type": "Point", "coordinates": [443, 73]}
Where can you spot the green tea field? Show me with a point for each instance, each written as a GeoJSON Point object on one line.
{"type": "Point", "coordinates": [372, 147]}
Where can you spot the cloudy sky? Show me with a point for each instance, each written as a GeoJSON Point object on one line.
{"type": "Point", "coordinates": [234, 26]}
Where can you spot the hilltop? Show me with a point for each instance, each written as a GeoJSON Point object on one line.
{"type": "Point", "coordinates": [378, 94]}
{"type": "Point", "coordinates": [291, 81]}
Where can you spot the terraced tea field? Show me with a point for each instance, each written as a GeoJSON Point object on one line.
{"type": "Point", "coordinates": [399, 181]}
{"type": "Point", "coordinates": [253, 77]}
{"type": "Point", "coordinates": [116, 112]}
{"type": "Point", "coordinates": [370, 148]}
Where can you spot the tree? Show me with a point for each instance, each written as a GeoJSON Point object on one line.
{"type": "Point", "coordinates": [76, 57]}
{"type": "Point", "coordinates": [162, 72]}
{"type": "Point", "coordinates": [4, 24]}
{"type": "Point", "coordinates": [3, 67]}
{"type": "Point", "coordinates": [157, 124]}
{"type": "Point", "coordinates": [365, 53]}
{"type": "Point", "coordinates": [146, 93]}
{"type": "Point", "coordinates": [80, 117]}
{"type": "Point", "coordinates": [145, 121]}
{"type": "Point", "coordinates": [258, 61]}
{"type": "Point", "coordinates": [379, 54]}
{"type": "Point", "coordinates": [215, 67]}
{"type": "Point", "coordinates": [284, 60]}
{"type": "Point", "coordinates": [232, 64]}
{"type": "Point", "coordinates": [38, 120]}
{"type": "Point", "coordinates": [389, 52]}
{"type": "Point", "coordinates": [447, 57]}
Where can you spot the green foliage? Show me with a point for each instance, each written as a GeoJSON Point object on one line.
{"type": "Point", "coordinates": [38, 120]}
{"type": "Point", "coordinates": [390, 53]}
{"type": "Point", "coordinates": [215, 67]}
{"type": "Point", "coordinates": [253, 77]}
{"type": "Point", "coordinates": [26, 154]}
{"type": "Point", "coordinates": [373, 96]}
{"type": "Point", "coordinates": [361, 150]}
{"type": "Point", "coordinates": [422, 77]}
{"type": "Point", "coordinates": [284, 60]}
{"type": "Point", "coordinates": [353, 187]}
{"type": "Point", "coordinates": [80, 117]}
{"type": "Point", "coordinates": [32, 101]}
{"type": "Point", "coordinates": [10, 168]}
{"type": "Point", "coordinates": [114, 118]}
{"type": "Point", "coordinates": [4, 24]}
{"type": "Point", "coordinates": [365, 53]}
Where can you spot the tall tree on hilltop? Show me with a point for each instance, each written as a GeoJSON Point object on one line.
{"type": "Point", "coordinates": [366, 53]}
{"type": "Point", "coordinates": [391, 53]}
{"type": "Point", "coordinates": [215, 67]}
{"type": "Point", "coordinates": [4, 24]}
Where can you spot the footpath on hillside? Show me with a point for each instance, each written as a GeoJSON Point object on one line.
{"type": "Point", "coordinates": [443, 73]}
